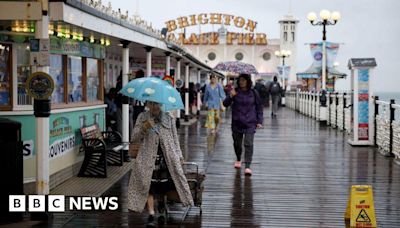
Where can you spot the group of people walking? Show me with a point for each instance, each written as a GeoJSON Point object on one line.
{"type": "Point", "coordinates": [157, 168]}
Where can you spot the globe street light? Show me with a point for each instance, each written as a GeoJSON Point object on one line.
{"type": "Point", "coordinates": [283, 54]}
{"type": "Point", "coordinates": [336, 64]}
{"type": "Point", "coordinates": [327, 18]}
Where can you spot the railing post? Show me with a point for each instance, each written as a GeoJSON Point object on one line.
{"type": "Point", "coordinates": [392, 109]}
{"type": "Point", "coordinates": [317, 106]}
{"type": "Point", "coordinates": [305, 103]}
{"type": "Point", "coordinates": [336, 109]}
{"type": "Point", "coordinates": [306, 99]}
{"type": "Point", "coordinates": [308, 103]}
{"type": "Point", "coordinates": [344, 112]}
{"type": "Point", "coordinates": [312, 104]}
{"type": "Point", "coordinates": [376, 112]}
{"type": "Point", "coordinates": [328, 105]}
{"type": "Point", "coordinates": [301, 102]}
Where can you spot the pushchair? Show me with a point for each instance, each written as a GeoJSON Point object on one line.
{"type": "Point", "coordinates": [166, 207]}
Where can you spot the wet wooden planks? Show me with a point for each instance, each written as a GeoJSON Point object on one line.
{"type": "Point", "coordinates": [302, 176]}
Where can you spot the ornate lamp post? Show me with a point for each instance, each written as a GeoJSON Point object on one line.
{"type": "Point", "coordinates": [283, 54]}
{"type": "Point", "coordinates": [327, 18]}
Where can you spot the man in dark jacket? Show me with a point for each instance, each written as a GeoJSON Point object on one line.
{"type": "Point", "coordinates": [275, 90]}
{"type": "Point", "coordinates": [262, 91]}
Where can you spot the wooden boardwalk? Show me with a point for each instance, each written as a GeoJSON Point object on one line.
{"type": "Point", "coordinates": [302, 174]}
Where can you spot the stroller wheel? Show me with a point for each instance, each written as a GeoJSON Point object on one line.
{"type": "Point", "coordinates": [161, 219]}
{"type": "Point", "coordinates": [150, 221]}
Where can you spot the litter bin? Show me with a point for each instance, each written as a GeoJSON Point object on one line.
{"type": "Point", "coordinates": [11, 167]}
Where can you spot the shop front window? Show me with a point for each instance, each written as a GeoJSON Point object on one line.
{"type": "Point", "coordinates": [23, 72]}
{"type": "Point", "coordinates": [57, 73]}
{"type": "Point", "coordinates": [75, 88]}
{"type": "Point", "coordinates": [5, 70]}
{"type": "Point", "coordinates": [93, 84]}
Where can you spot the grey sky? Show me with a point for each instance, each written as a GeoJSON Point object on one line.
{"type": "Point", "coordinates": [368, 28]}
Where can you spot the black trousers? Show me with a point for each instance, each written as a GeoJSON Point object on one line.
{"type": "Point", "coordinates": [248, 147]}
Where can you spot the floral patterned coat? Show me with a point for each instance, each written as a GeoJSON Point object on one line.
{"type": "Point", "coordinates": [143, 165]}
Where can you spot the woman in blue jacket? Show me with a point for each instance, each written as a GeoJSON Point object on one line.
{"type": "Point", "coordinates": [213, 96]}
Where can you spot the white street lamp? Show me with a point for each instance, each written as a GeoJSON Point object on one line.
{"type": "Point", "coordinates": [283, 54]}
{"type": "Point", "coordinates": [325, 16]}
{"type": "Point", "coordinates": [336, 64]}
{"type": "Point", "coordinates": [312, 16]}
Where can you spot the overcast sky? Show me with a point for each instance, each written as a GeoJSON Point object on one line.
{"type": "Point", "coordinates": [368, 28]}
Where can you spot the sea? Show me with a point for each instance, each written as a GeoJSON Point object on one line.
{"type": "Point", "coordinates": [387, 96]}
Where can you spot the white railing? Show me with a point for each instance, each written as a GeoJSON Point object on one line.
{"type": "Point", "coordinates": [332, 110]}
{"type": "Point", "coordinates": [328, 109]}
{"type": "Point", "coordinates": [310, 104]}
{"type": "Point", "coordinates": [348, 104]}
{"type": "Point", "coordinates": [396, 135]}
{"type": "Point", "coordinates": [338, 107]}
{"type": "Point", "coordinates": [340, 112]}
{"type": "Point", "coordinates": [307, 99]}
{"type": "Point", "coordinates": [383, 127]}
{"type": "Point", "coordinates": [304, 103]}
{"type": "Point", "coordinates": [339, 115]}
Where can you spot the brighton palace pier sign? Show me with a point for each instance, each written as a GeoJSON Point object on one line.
{"type": "Point", "coordinates": [249, 38]}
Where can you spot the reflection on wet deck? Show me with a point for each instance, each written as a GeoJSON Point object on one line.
{"type": "Point", "coordinates": [302, 176]}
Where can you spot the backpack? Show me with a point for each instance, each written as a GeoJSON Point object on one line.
{"type": "Point", "coordinates": [275, 89]}
{"type": "Point", "coordinates": [263, 91]}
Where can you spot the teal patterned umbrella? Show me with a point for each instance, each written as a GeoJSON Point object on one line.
{"type": "Point", "coordinates": [156, 90]}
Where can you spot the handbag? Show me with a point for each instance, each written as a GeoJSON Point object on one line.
{"type": "Point", "coordinates": [134, 149]}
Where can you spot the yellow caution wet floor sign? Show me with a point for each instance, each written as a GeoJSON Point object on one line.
{"type": "Point", "coordinates": [360, 207]}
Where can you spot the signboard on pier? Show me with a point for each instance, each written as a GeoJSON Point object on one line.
{"type": "Point", "coordinates": [247, 37]}
{"type": "Point", "coordinates": [362, 116]}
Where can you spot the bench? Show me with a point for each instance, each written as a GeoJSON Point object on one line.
{"type": "Point", "coordinates": [101, 149]}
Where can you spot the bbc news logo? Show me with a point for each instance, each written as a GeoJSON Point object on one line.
{"type": "Point", "coordinates": [57, 203]}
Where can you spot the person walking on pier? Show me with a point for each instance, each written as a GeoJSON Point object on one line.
{"type": "Point", "coordinates": [214, 94]}
{"type": "Point", "coordinates": [262, 91]}
{"type": "Point", "coordinates": [157, 168]}
{"type": "Point", "coordinates": [247, 116]}
{"type": "Point", "coordinates": [275, 90]}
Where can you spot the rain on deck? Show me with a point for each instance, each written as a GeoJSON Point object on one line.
{"type": "Point", "coordinates": [302, 173]}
